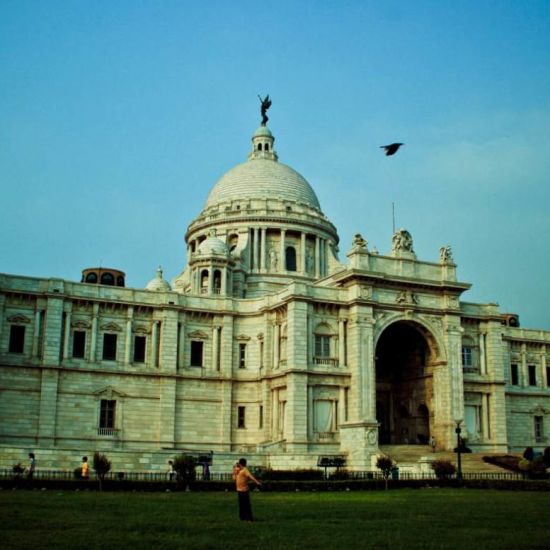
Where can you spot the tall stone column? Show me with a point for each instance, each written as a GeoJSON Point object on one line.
{"type": "Point", "coordinates": [296, 412]}
{"type": "Point", "coordinates": [38, 320]}
{"type": "Point", "coordinates": [359, 434]}
{"type": "Point", "coordinates": [482, 354]}
{"type": "Point", "coordinates": [276, 345]}
{"type": "Point", "coordinates": [93, 336]}
{"type": "Point", "coordinates": [256, 249]}
{"type": "Point", "coordinates": [128, 341]}
{"type": "Point", "coordinates": [263, 266]}
{"type": "Point", "coordinates": [67, 331]}
{"type": "Point", "coordinates": [181, 341]}
{"type": "Point", "coordinates": [226, 346]}
{"type": "Point", "coordinates": [155, 344]}
{"type": "Point", "coordinates": [216, 347]}
{"type": "Point", "coordinates": [303, 254]}
{"type": "Point", "coordinates": [545, 380]}
{"type": "Point", "coordinates": [317, 258]}
{"type": "Point", "coordinates": [341, 342]}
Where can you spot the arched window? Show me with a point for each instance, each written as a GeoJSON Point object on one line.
{"type": "Point", "coordinates": [91, 278]}
{"type": "Point", "coordinates": [290, 258]}
{"type": "Point", "coordinates": [120, 281]}
{"type": "Point", "coordinates": [107, 279]}
{"type": "Point", "coordinates": [217, 281]}
{"type": "Point", "coordinates": [266, 147]}
{"type": "Point", "coordinates": [204, 281]}
{"type": "Point", "coordinates": [259, 146]}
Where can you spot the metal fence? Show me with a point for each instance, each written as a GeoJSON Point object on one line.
{"type": "Point", "coordinates": [7, 473]}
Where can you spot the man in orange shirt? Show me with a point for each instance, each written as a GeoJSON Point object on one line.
{"type": "Point", "coordinates": [242, 475]}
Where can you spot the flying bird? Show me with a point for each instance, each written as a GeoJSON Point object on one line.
{"type": "Point", "coordinates": [391, 149]}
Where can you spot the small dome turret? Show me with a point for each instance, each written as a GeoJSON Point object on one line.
{"type": "Point", "coordinates": [158, 284]}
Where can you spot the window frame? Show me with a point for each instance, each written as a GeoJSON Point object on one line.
{"type": "Point", "coordinates": [241, 417]}
{"type": "Point", "coordinates": [140, 357]}
{"type": "Point", "coordinates": [81, 347]}
{"type": "Point", "coordinates": [195, 346]}
{"type": "Point", "coordinates": [110, 346]}
{"type": "Point", "coordinates": [532, 374]}
{"type": "Point", "coordinates": [107, 414]}
{"type": "Point", "coordinates": [17, 338]}
{"type": "Point", "coordinates": [514, 374]}
{"type": "Point", "coordinates": [242, 355]}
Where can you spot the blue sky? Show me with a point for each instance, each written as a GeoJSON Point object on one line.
{"type": "Point", "coordinates": [117, 117]}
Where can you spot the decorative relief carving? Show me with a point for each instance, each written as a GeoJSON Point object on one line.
{"type": "Point", "coordinates": [198, 335]}
{"type": "Point", "coordinates": [81, 324]}
{"type": "Point", "coordinates": [18, 319]}
{"type": "Point", "coordinates": [365, 292]}
{"type": "Point", "coordinates": [372, 436]}
{"type": "Point", "coordinates": [111, 327]}
{"type": "Point", "coordinates": [406, 297]}
{"type": "Point", "coordinates": [242, 337]}
{"type": "Point", "coordinates": [358, 244]}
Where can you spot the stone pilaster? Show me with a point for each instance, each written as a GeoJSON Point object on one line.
{"type": "Point", "coordinates": [226, 347]}
{"type": "Point", "coordinates": [167, 411]}
{"type": "Point", "coordinates": [169, 341]}
{"type": "Point", "coordinates": [226, 414]}
{"type": "Point", "coordinates": [296, 412]}
{"type": "Point", "coordinates": [52, 331]}
{"type": "Point", "coordinates": [296, 352]}
{"type": "Point", "coordinates": [48, 407]}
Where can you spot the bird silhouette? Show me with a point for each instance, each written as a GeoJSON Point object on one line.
{"type": "Point", "coordinates": [392, 148]}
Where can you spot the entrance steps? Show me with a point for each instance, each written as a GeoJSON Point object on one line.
{"type": "Point", "coordinates": [409, 457]}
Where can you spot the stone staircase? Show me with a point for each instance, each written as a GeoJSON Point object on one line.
{"type": "Point", "coordinates": [410, 457]}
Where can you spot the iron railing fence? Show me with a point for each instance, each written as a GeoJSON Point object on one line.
{"type": "Point", "coordinates": [7, 473]}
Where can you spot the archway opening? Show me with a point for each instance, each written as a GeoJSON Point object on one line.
{"type": "Point", "coordinates": [404, 384]}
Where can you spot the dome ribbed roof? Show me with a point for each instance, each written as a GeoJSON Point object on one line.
{"type": "Point", "coordinates": [158, 284]}
{"type": "Point", "coordinates": [262, 178]}
{"type": "Point", "coordinates": [213, 245]}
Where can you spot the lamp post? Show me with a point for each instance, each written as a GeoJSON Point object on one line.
{"type": "Point", "coordinates": [458, 431]}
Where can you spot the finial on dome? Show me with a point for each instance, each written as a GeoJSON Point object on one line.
{"type": "Point", "coordinates": [159, 272]}
{"type": "Point", "coordinates": [266, 104]}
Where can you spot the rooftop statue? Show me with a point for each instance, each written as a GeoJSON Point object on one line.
{"type": "Point", "coordinates": [402, 241]}
{"type": "Point", "coordinates": [266, 104]}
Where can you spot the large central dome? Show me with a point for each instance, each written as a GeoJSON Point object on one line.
{"type": "Point", "coordinates": [262, 177]}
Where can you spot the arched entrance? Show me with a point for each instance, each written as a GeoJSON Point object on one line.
{"type": "Point", "coordinates": [404, 383]}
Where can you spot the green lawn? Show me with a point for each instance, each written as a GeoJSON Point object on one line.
{"type": "Point", "coordinates": [405, 518]}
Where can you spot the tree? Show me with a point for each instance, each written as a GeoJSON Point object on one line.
{"type": "Point", "coordinates": [386, 464]}
{"type": "Point", "coordinates": [184, 465]}
{"type": "Point", "coordinates": [102, 466]}
{"type": "Point", "coordinates": [443, 469]}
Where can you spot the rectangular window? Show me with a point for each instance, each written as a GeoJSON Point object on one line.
{"type": "Point", "coordinates": [539, 428]}
{"type": "Point", "coordinates": [242, 356]}
{"type": "Point", "coordinates": [322, 346]}
{"type": "Point", "coordinates": [548, 377]}
{"type": "Point", "coordinates": [107, 413]}
{"type": "Point", "coordinates": [241, 417]}
{"type": "Point", "coordinates": [17, 339]}
{"type": "Point", "coordinates": [467, 362]}
{"type": "Point", "coordinates": [139, 349]}
{"type": "Point", "coordinates": [196, 353]}
{"type": "Point", "coordinates": [109, 347]}
{"type": "Point", "coordinates": [514, 373]}
{"type": "Point", "coordinates": [532, 375]}
{"type": "Point", "coordinates": [79, 344]}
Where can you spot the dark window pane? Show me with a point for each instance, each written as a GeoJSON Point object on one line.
{"type": "Point", "coordinates": [17, 339]}
{"type": "Point", "coordinates": [91, 278]}
{"type": "Point", "coordinates": [241, 417]}
{"type": "Point", "coordinates": [107, 279]}
{"type": "Point", "coordinates": [532, 375]}
{"type": "Point", "coordinates": [79, 343]}
{"type": "Point", "coordinates": [139, 349]}
{"type": "Point", "coordinates": [290, 259]}
{"type": "Point", "coordinates": [109, 347]}
{"type": "Point", "coordinates": [196, 354]}
{"type": "Point", "coordinates": [515, 374]}
{"type": "Point", "coordinates": [107, 413]}
{"type": "Point", "coordinates": [242, 356]}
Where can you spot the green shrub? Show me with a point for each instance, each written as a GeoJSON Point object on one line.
{"type": "Point", "coordinates": [102, 466]}
{"type": "Point", "coordinates": [17, 469]}
{"type": "Point", "coordinates": [386, 464]}
{"type": "Point", "coordinates": [443, 469]}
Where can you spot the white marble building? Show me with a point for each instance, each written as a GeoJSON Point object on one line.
{"type": "Point", "coordinates": [266, 344]}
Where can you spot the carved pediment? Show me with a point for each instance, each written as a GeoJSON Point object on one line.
{"type": "Point", "coordinates": [539, 410]}
{"type": "Point", "coordinates": [260, 336]}
{"type": "Point", "coordinates": [111, 327]}
{"type": "Point", "coordinates": [108, 392]}
{"type": "Point", "coordinates": [80, 324]}
{"type": "Point", "coordinates": [18, 319]}
{"type": "Point", "coordinates": [198, 335]}
{"type": "Point", "coordinates": [242, 337]}
{"type": "Point", "coordinates": [141, 329]}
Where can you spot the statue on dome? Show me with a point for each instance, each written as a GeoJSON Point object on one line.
{"type": "Point", "coordinates": [266, 104]}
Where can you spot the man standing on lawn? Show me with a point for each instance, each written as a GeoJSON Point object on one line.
{"type": "Point", "coordinates": [242, 476]}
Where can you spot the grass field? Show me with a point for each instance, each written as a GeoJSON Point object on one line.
{"type": "Point", "coordinates": [406, 518]}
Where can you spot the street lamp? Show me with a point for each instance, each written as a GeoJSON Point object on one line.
{"type": "Point", "coordinates": [458, 431]}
